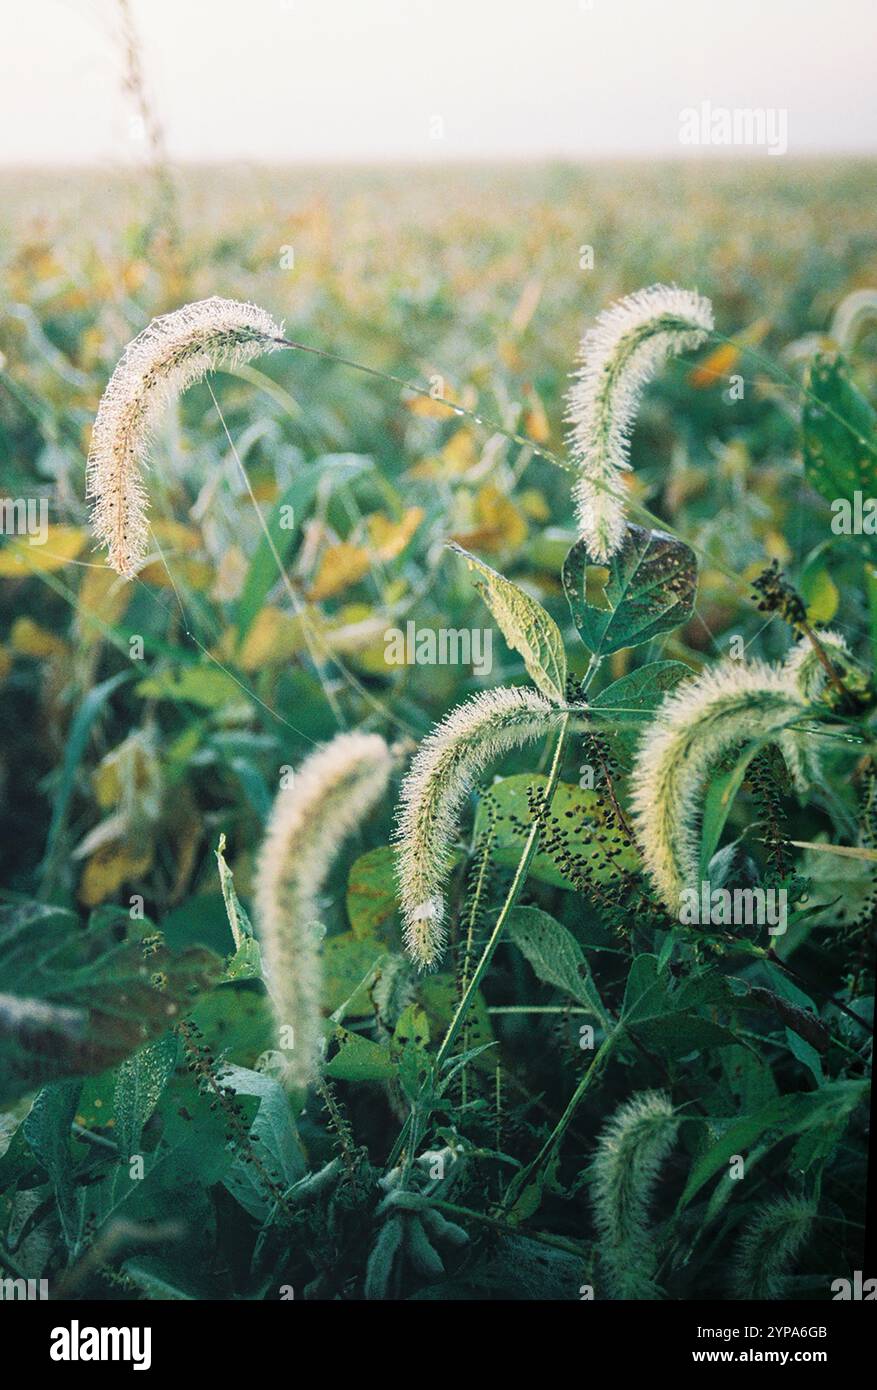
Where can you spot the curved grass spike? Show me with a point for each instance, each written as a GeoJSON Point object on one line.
{"type": "Point", "coordinates": [171, 354]}
{"type": "Point", "coordinates": [330, 796]}
{"type": "Point", "coordinates": [443, 772]}
{"type": "Point", "coordinates": [630, 1151]}
{"type": "Point", "coordinates": [696, 724]}
{"type": "Point", "coordinates": [851, 315]}
{"type": "Point", "coordinates": [769, 1247]}
{"type": "Point", "coordinates": [618, 357]}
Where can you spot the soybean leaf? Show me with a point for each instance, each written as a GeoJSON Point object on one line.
{"type": "Point", "coordinates": [666, 1019]}
{"type": "Point", "coordinates": [276, 1138]}
{"type": "Point", "coordinates": [555, 955]}
{"type": "Point", "coordinates": [371, 891]}
{"type": "Point", "coordinates": [526, 627]}
{"type": "Point", "coordinates": [140, 1081]}
{"type": "Point", "coordinates": [360, 1059]}
{"type": "Point", "coordinates": [47, 1131]}
{"type": "Point", "coordinates": [78, 1000]}
{"type": "Point", "coordinates": [206, 686]}
{"type": "Point", "coordinates": [623, 709]}
{"type": "Point", "coordinates": [650, 587]}
{"type": "Point", "coordinates": [505, 810]}
{"type": "Point", "coordinates": [840, 434]}
{"type": "Point", "coordinates": [192, 1154]}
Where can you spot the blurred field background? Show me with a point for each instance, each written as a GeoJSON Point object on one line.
{"type": "Point", "coordinates": [118, 778]}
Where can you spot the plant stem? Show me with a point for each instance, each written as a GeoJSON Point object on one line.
{"type": "Point", "coordinates": [519, 1182]}
{"type": "Point", "coordinates": [824, 660]}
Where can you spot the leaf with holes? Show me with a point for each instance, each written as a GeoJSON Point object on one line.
{"type": "Point", "coordinates": [650, 587]}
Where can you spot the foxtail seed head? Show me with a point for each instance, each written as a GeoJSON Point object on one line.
{"type": "Point", "coordinates": [630, 1152]}
{"type": "Point", "coordinates": [330, 796]}
{"type": "Point", "coordinates": [618, 357]}
{"type": "Point", "coordinates": [696, 724]}
{"type": "Point", "coordinates": [449, 761]}
{"type": "Point", "coordinates": [171, 354]}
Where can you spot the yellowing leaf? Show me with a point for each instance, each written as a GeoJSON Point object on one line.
{"type": "Point", "coordinates": [460, 452]}
{"type": "Point", "coordinates": [820, 593]}
{"type": "Point", "coordinates": [536, 424]}
{"type": "Point", "coordinates": [130, 772]}
{"type": "Point", "coordinates": [501, 525]}
{"type": "Point", "coordinates": [104, 594]}
{"type": "Point", "coordinates": [192, 572]}
{"type": "Point", "coordinates": [340, 565]}
{"type": "Point", "coordinates": [526, 627]}
{"type": "Point", "coordinates": [19, 557]}
{"type": "Point", "coordinates": [719, 363]}
{"type": "Point", "coordinates": [715, 367]}
{"type": "Point", "coordinates": [777, 547]}
{"type": "Point", "coordinates": [29, 639]}
{"type": "Point", "coordinates": [230, 575]}
{"type": "Point", "coordinates": [110, 868]}
{"type": "Point", "coordinates": [390, 538]}
{"type": "Point", "coordinates": [532, 503]}
{"type": "Point", "coordinates": [175, 534]}
{"type": "Point", "coordinates": [430, 408]}
{"type": "Point", "coordinates": [273, 636]}
{"type": "Point", "coordinates": [207, 686]}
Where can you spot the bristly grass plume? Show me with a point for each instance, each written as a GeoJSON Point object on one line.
{"type": "Point", "coordinates": [171, 354]}
{"type": "Point", "coordinates": [330, 796]}
{"type": "Point", "coordinates": [733, 704]}
{"type": "Point", "coordinates": [769, 1246]}
{"type": "Point", "coordinates": [618, 357]}
{"type": "Point", "coordinates": [447, 764]}
{"type": "Point", "coordinates": [626, 1166]}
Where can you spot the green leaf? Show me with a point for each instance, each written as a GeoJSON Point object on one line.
{"type": "Point", "coordinates": [236, 1021]}
{"type": "Point", "coordinates": [792, 1114]}
{"type": "Point", "coordinates": [840, 439]}
{"type": "Point", "coordinates": [79, 1000]}
{"type": "Point", "coordinates": [526, 627]}
{"type": "Point", "coordinates": [440, 995]}
{"type": "Point", "coordinates": [555, 955]}
{"type": "Point", "coordinates": [47, 1131]}
{"type": "Point", "coordinates": [348, 961]}
{"type": "Point", "coordinates": [623, 709]}
{"type": "Point", "coordinates": [371, 891]}
{"type": "Point", "coordinates": [192, 1154]}
{"type": "Point", "coordinates": [276, 1139]}
{"type": "Point", "coordinates": [650, 587]}
{"type": "Point", "coordinates": [140, 1081]}
{"type": "Point", "coordinates": [505, 810]}
{"type": "Point", "coordinates": [246, 963]}
{"type": "Point", "coordinates": [263, 573]}
{"type": "Point", "coordinates": [664, 1018]}
{"type": "Point", "coordinates": [721, 791]}
{"type": "Point", "coordinates": [207, 686]}
{"type": "Point", "coordinates": [74, 749]}
{"type": "Point", "coordinates": [360, 1059]}
{"type": "Point", "coordinates": [237, 917]}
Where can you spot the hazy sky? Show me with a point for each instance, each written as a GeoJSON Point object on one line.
{"type": "Point", "coordinates": [290, 80]}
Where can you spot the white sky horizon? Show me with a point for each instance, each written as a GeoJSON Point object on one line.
{"type": "Point", "coordinates": [430, 81]}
